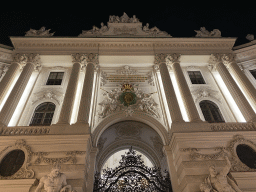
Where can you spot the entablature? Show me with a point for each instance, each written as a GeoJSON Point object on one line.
{"type": "Point", "coordinates": [122, 46]}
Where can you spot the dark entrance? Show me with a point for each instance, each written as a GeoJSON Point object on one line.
{"type": "Point", "coordinates": [132, 176]}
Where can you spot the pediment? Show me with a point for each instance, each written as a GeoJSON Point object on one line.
{"type": "Point", "coordinates": [124, 26]}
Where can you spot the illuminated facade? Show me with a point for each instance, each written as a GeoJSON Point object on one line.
{"type": "Point", "coordinates": [182, 102]}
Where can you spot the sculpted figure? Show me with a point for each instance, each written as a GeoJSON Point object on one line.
{"type": "Point", "coordinates": [219, 182]}
{"type": "Point", "coordinates": [54, 182]}
{"type": "Point", "coordinates": [41, 32]}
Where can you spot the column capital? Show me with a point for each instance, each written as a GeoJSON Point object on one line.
{"type": "Point", "coordinates": [173, 58]}
{"type": "Point", "coordinates": [228, 59]}
{"type": "Point", "coordinates": [78, 58]}
{"type": "Point", "coordinates": [34, 59]}
{"type": "Point", "coordinates": [160, 58]}
{"type": "Point", "coordinates": [19, 58]}
{"type": "Point", "coordinates": [92, 58]}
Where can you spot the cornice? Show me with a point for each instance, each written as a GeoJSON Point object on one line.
{"type": "Point", "coordinates": [106, 46]}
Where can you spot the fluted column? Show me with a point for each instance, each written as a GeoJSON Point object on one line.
{"type": "Point", "coordinates": [18, 89]}
{"type": "Point", "coordinates": [236, 93]}
{"type": "Point", "coordinates": [85, 103]}
{"type": "Point", "coordinates": [246, 85]}
{"type": "Point", "coordinates": [18, 60]}
{"type": "Point", "coordinates": [69, 99]}
{"type": "Point", "coordinates": [187, 98]}
{"type": "Point", "coordinates": [174, 109]}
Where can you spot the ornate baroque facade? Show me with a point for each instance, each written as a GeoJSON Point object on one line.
{"type": "Point", "coordinates": [185, 103]}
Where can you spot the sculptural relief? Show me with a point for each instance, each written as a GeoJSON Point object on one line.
{"type": "Point", "coordinates": [55, 181]}
{"type": "Point", "coordinates": [205, 33]}
{"type": "Point", "coordinates": [41, 32]}
{"type": "Point", "coordinates": [219, 182]}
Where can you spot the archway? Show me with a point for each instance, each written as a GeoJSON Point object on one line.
{"type": "Point", "coordinates": [143, 139]}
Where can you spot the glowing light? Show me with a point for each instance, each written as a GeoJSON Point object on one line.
{"type": "Point", "coordinates": [77, 99]}
{"type": "Point", "coordinates": [239, 116]}
{"type": "Point", "coordinates": [179, 98]}
{"type": "Point", "coordinates": [9, 91]}
{"type": "Point", "coordinates": [164, 99]}
{"type": "Point", "coordinates": [92, 98]}
{"type": "Point", "coordinates": [17, 113]}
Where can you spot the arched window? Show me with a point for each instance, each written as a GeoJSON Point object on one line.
{"type": "Point", "coordinates": [211, 112]}
{"type": "Point", "coordinates": [43, 114]}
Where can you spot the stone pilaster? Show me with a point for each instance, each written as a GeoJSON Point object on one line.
{"type": "Point", "coordinates": [174, 109]}
{"type": "Point", "coordinates": [236, 93]}
{"type": "Point", "coordinates": [18, 89]}
{"type": "Point", "coordinates": [18, 60]}
{"type": "Point", "coordinates": [85, 103]}
{"type": "Point", "coordinates": [187, 98]}
{"type": "Point", "coordinates": [246, 85]}
{"type": "Point", "coordinates": [69, 99]}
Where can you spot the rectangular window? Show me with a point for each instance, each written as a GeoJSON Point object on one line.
{"type": "Point", "coordinates": [253, 72]}
{"type": "Point", "coordinates": [55, 78]}
{"type": "Point", "coordinates": [196, 77]}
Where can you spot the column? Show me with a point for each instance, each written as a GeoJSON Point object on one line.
{"type": "Point", "coordinates": [238, 96]}
{"type": "Point", "coordinates": [69, 99]}
{"type": "Point", "coordinates": [174, 109]}
{"type": "Point", "coordinates": [91, 168]}
{"type": "Point", "coordinates": [18, 60]}
{"type": "Point", "coordinates": [187, 98]}
{"type": "Point", "coordinates": [85, 103]}
{"type": "Point", "coordinates": [18, 89]}
{"type": "Point", "coordinates": [246, 85]}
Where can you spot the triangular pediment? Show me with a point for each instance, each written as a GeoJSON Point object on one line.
{"type": "Point", "coordinates": [124, 26]}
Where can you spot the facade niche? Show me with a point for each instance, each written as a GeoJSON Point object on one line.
{"type": "Point", "coordinates": [247, 155]}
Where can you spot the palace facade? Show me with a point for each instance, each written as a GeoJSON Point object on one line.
{"type": "Point", "coordinates": [183, 103]}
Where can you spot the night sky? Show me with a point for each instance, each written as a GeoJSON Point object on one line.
{"type": "Point", "coordinates": [178, 19]}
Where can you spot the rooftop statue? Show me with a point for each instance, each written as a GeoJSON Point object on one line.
{"type": "Point", "coordinates": [219, 182]}
{"type": "Point", "coordinates": [55, 181]}
{"type": "Point", "coordinates": [205, 33]}
{"type": "Point", "coordinates": [42, 32]}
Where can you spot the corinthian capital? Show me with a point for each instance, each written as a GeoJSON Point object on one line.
{"type": "Point", "coordinates": [19, 58]}
{"type": "Point", "coordinates": [228, 59]}
{"type": "Point", "coordinates": [160, 58]}
{"type": "Point", "coordinates": [78, 58]}
{"type": "Point", "coordinates": [173, 58]}
{"type": "Point", "coordinates": [33, 58]}
{"type": "Point", "coordinates": [92, 58]}
{"type": "Point", "coordinates": [215, 58]}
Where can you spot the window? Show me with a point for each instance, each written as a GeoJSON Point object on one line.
{"type": "Point", "coordinates": [43, 114]}
{"type": "Point", "coordinates": [196, 77]}
{"type": "Point", "coordinates": [12, 162]}
{"type": "Point", "coordinates": [253, 72]}
{"type": "Point", "coordinates": [247, 155]}
{"type": "Point", "coordinates": [55, 78]}
{"type": "Point", "coordinates": [211, 112]}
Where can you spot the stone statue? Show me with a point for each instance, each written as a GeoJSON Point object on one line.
{"type": "Point", "coordinates": [54, 182]}
{"type": "Point", "coordinates": [41, 32]}
{"type": "Point", "coordinates": [205, 33]}
{"type": "Point", "coordinates": [219, 182]}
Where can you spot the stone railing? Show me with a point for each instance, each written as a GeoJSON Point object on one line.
{"type": "Point", "coordinates": [25, 131]}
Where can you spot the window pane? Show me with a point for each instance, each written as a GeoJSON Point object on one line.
{"type": "Point", "coordinates": [55, 78]}
{"type": "Point", "coordinates": [196, 77]}
{"type": "Point", "coordinates": [211, 112]}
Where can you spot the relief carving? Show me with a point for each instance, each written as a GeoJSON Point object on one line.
{"type": "Point", "coordinates": [205, 33]}
{"type": "Point", "coordinates": [42, 32]}
{"type": "Point", "coordinates": [48, 94]}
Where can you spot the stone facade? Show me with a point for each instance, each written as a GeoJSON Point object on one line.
{"type": "Point", "coordinates": [130, 89]}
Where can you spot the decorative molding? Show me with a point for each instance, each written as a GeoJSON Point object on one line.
{"type": "Point", "coordinates": [78, 58]}
{"type": "Point", "coordinates": [25, 131]}
{"type": "Point", "coordinates": [92, 58]}
{"type": "Point", "coordinates": [124, 26]}
{"type": "Point", "coordinates": [126, 70]}
{"type": "Point", "coordinates": [48, 94]}
{"type": "Point", "coordinates": [4, 70]}
{"type": "Point", "coordinates": [42, 32]}
{"type": "Point", "coordinates": [237, 165]}
{"type": "Point", "coordinates": [204, 92]}
{"type": "Point", "coordinates": [23, 172]}
{"type": "Point", "coordinates": [233, 127]}
{"type": "Point", "coordinates": [205, 33]}
{"type": "Point", "coordinates": [173, 58]}
{"type": "Point", "coordinates": [69, 156]}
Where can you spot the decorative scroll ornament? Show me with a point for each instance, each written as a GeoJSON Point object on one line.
{"type": "Point", "coordinates": [132, 175]}
{"type": "Point", "coordinates": [203, 93]}
{"type": "Point", "coordinates": [173, 58]}
{"type": "Point", "coordinates": [205, 33]}
{"type": "Point", "coordinates": [42, 32]}
{"type": "Point", "coordinates": [128, 99]}
{"type": "Point", "coordinates": [24, 172]}
{"type": "Point", "coordinates": [126, 70]}
{"type": "Point", "coordinates": [123, 26]}
{"type": "Point", "coordinates": [78, 58]}
{"type": "Point", "coordinates": [48, 94]}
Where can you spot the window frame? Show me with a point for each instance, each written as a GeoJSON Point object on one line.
{"type": "Point", "coordinates": [209, 110]}
{"type": "Point", "coordinates": [188, 71]}
{"type": "Point", "coordinates": [55, 78]}
{"type": "Point", "coordinates": [45, 112]}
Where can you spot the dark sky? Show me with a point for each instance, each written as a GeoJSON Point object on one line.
{"type": "Point", "coordinates": [178, 19]}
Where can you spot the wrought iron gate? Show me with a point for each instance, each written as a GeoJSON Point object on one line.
{"type": "Point", "coordinates": [132, 176]}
